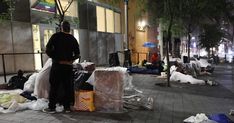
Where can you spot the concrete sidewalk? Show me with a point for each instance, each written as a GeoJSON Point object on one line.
{"type": "Point", "coordinates": [171, 104]}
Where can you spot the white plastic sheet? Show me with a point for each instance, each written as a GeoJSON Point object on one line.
{"type": "Point", "coordinates": [199, 118]}
{"type": "Point", "coordinates": [204, 63]}
{"type": "Point", "coordinates": [30, 83]}
{"type": "Point", "coordinates": [42, 84]}
{"type": "Point", "coordinates": [40, 104]}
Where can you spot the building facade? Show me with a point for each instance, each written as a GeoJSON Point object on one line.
{"type": "Point", "coordinates": [98, 27]}
{"type": "Point", "coordinates": [33, 23]}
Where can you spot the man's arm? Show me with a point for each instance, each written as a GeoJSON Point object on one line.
{"type": "Point", "coordinates": [76, 50]}
{"type": "Point", "coordinates": [50, 47]}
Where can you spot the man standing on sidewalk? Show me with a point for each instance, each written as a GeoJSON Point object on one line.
{"type": "Point", "coordinates": [63, 48]}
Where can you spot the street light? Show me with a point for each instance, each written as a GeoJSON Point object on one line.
{"type": "Point", "coordinates": [126, 23]}
{"type": "Point", "coordinates": [127, 52]}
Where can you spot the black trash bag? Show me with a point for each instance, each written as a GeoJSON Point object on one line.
{"type": "Point", "coordinates": [80, 79]}
{"type": "Point", "coordinates": [28, 95]}
{"type": "Point", "coordinates": [114, 59]}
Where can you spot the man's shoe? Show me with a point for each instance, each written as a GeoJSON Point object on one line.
{"type": "Point", "coordinates": [48, 110]}
{"type": "Point", "coordinates": [67, 110]}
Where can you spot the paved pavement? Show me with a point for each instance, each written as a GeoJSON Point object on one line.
{"type": "Point", "coordinates": [171, 104]}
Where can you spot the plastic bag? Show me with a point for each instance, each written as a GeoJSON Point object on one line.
{"type": "Point", "coordinates": [39, 104]}
{"type": "Point", "coordinates": [200, 117]}
{"type": "Point", "coordinates": [30, 83]}
{"type": "Point", "coordinates": [220, 118]}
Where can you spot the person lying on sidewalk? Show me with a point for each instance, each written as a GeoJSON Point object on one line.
{"type": "Point", "coordinates": [183, 78]}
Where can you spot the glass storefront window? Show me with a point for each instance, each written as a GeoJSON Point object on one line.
{"type": "Point", "coordinates": [47, 34]}
{"type": "Point", "coordinates": [117, 23]}
{"type": "Point", "coordinates": [109, 20]}
{"type": "Point", "coordinates": [36, 46]}
{"type": "Point", "coordinates": [101, 21]}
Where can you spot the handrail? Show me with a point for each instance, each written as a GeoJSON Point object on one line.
{"type": "Point", "coordinates": [3, 60]}
{"type": "Point", "coordinates": [20, 53]}
{"type": "Point", "coordinates": [41, 53]}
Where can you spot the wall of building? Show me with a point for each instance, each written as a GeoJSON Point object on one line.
{"type": "Point", "coordinates": [96, 46]}
{"type": "Point", "coordinates": [21, 42]}
{"type": "Point", "coordinates": [16, 37]}
{"type": "Point", "coordinates": [100, 46]}
{"type": "Point", "coordinates": [84, 44]}
{"type": "Point", "coordinates": [136, 37]}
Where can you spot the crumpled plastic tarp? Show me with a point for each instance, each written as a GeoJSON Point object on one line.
{"type": "Point", "coordinates": [39, 104]}
{"type": "Point", "coordinates": [204, 63]}
{"type": "Point", "coordinates": [8, 97]}
{"type": "Point", "coordinates": [12, 101]}
{"type": "Point", "coordinates": [134, 98]}
{"type": "Point", "coordinates": [199, 118]}
{"type": "Point", "coordinates": [13, 106]}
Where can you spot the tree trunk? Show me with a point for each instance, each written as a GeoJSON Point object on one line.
{"type": "Point", "coordinates": [167, 51]}
{"type": "Point", "coordinates": [189, 42]}
{"type": "Point", "coordinates": [208, 50]}
{"type": "Point", "coordinates": [61, 10]}
{"type": "Point", "coordinates": [168, 61]}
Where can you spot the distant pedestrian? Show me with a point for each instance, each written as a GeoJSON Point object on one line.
{"type": "Point", "coordinates": [63, 48]}
{"type": "Point", "coordinates": [154, 58]}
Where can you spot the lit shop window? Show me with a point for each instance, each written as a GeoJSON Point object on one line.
{"type": "Point", "coordinates": [109, 20]}
{"type": "Point", "coordinates": [117, 23]}
{"type": "Point", "coordinates": [47, 34]}
{"type": "Point", "coordinates": [101, 21]}
{"type": "Point", "coordinates": [36, 46]}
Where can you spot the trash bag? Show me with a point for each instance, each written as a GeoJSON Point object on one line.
{"type": "Point", "coordinates": [114, 59]}
{"type": "Point", "coordinates": [80, 79]}
{"type": "Point", "coordinates": [39, 104]}
{"type": "Point", "coordinates": [220, 118]}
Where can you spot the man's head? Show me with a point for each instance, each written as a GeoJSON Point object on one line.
{"type": "Point", "coordinates": [20, 73]}
{"type": "Point", "coordinates": [65, 26]}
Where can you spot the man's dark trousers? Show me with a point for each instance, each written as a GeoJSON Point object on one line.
{"type": "Point", "coordinates": [61, 85]}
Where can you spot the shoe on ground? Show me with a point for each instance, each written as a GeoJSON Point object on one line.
{"type": "Point", "coordinates": [48, 110]}
{"type": "Point", "coordinates": [210, 82]}
{"type": "Point", "coordinates": [231, 112]}
{"type": "Point", "coordinates": [67, 110]}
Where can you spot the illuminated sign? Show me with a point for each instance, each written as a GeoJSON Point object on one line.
{"type": "Point", "coordinates": [45, 5]}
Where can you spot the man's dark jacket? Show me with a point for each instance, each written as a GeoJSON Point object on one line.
{"type": "Point", "coordinates": [63, 47]}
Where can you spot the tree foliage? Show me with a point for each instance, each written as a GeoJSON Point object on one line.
{"type": "Point", "coordinates": [62, 10]}
{"type": "Point", "coordinates": [166, 12]}
{"type": "Point", "coordinates": [210, 36]}
{"type": "Point", "coordinates": [6, 9]}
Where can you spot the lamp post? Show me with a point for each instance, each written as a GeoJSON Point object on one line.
{"type": "Point", "coordinates": [126, 24]}
{"type": "Point", "coordinates": [127, 52]}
